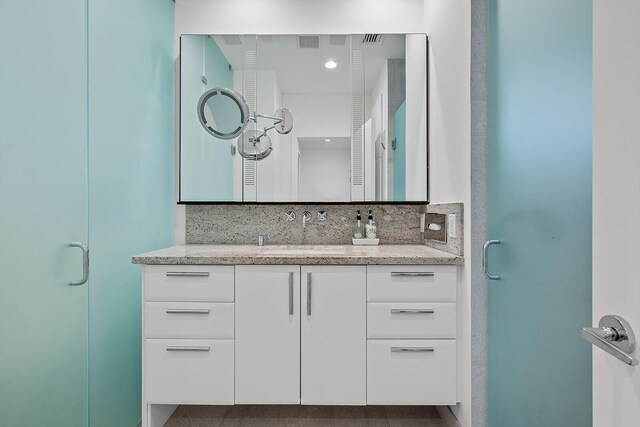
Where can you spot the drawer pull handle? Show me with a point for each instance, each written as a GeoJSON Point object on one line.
{"type": "Point", "coordinates": [412, 274]}
{"type": "Point", "coordinates": [291, 293]}
{"type": "Point", "coordinates": [412, 349]}
{"type": "Point", "coordinates": [308, 294]}
{"type": "Point", "coordinates": [188, 311]}
{"type": "Point", "coordinates": [188, 348]}
{"type": "Point", "coordinates": [188, 273]}
{"type": "Point", "coordinates": [413, 310]}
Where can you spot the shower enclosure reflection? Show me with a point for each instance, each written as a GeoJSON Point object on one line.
{"type": "Point", "coordinates": [360, 108]}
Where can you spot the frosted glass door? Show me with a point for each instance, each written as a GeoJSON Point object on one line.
{"type": "Point", "coordinates": [43, 150]}
{"type": "Point", "coordinates": [540, 210]}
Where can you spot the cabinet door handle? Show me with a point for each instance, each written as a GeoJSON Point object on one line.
{"type": "Point", "coordinates": [412, 274]}
{"type": "Point", "coordinates": [188, 348]}
{"type": "Point", "coordinates": [188, 273]}
{"type": "Point", "coordinates": [291, 293]}
{"type": "Point", "coordinates": [85, 263]}
{"type": "Point", "coordinates": [308, 294]}
{"type": "Point", "coordinates": [188, 311]}
{"type": "Point", "coordinates": [412, 349]}
{"type": "Point", "coordinates": [413, 310]}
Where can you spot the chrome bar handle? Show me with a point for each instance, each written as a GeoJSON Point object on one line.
{"type": "Point", "coordinates": [188, 348]}
{"type": "Point", "coordinates": [412, 349]}
{"type": "Point", "coordinates": [413, 310]}
{"type": "Point", "coordinates": [188, 273]}
{"type": "Point", "coordinates": [85, 263]}
{"type": "Point", "coordinates": [485, 259]}
{"type": "Point", "coordinates": [308, 294]}
{"type": "Point", "coordinates": [291, 293]}
{"type": "Point", "coordinates": [188, 311]}
{"type": "Point", "coordinates": [615, 336]}
{"type": "Point", "coordinates": [412, 274]}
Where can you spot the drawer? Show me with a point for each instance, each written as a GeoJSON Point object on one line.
{"type": "Point", "coordinates": [189, 283]}
{"type": "Point", "coordinates": [188, 320]}
{"type": "Point", "coordinates": [388, 283]}
{"type": "Point", "coordinates": [411, 320]}
{"type": "Point", "coordinates": [189, 372]}
{"type": "Point", "coordinates": [411, 372]}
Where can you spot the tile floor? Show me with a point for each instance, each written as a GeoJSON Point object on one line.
{"type": "Point", "coordinates": [305, 416]}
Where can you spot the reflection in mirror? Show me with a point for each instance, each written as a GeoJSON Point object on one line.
{"type": "Point", "coordinates": [359, 103]}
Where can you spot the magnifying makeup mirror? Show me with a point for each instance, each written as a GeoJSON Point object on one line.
{"type": "Point", "coordinates": [254, 145]}
{"type": "Point", "coordinates": [225, 114]}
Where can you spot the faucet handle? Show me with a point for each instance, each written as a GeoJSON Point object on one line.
{"type": "Point", "coordinates": [321, 216]}
{"type": "Point", "coordinates": [290, 216]}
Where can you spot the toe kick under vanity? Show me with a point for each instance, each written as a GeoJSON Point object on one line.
{"type": "Point", "coordinates": [337, 325]}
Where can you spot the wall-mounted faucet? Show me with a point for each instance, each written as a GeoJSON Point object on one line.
{"type": "Point", "coordinates": [306, 216]}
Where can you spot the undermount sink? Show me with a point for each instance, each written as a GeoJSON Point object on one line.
{"type": "Point", "coordinates": [303, 250]}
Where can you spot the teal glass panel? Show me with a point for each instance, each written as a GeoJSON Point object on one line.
{"type": "Point", "coordinates": [131, 181]}
{"type": "Point", "coordinates": [43, 153]}
{"type": "Point", "coordinates": [399, 156]}
{"type": "Point", "coordinates": [206, 161]}
{"type": "Point", "coordinates": [540, 207]}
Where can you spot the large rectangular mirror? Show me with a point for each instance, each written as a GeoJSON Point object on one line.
{"type": "Point", "coordinates": [358, 104]}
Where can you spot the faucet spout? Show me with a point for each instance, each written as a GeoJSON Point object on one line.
{"type": "Point", "coordinates": [306, 216]}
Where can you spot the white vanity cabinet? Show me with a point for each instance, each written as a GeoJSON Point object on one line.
{"type": "Point", "coordinates": [292, 334]}
{"type": "Point", "coordinates": [188, 332]}
{"type": "Point", "coordinates": [412, 329]}
{"type": "Point", "coordinates": [301, 344]}
{"type": "Point", "coordinates": [267, 334]}
{"type": "Point", "coordinates": [334, 335]}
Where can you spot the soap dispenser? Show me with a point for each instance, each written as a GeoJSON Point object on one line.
{"type": "Point", "coordinates": [358, 231]}
{"type": "Point", "coordinates": [371, 228]}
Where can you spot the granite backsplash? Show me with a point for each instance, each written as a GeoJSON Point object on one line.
{"type": "Point", "coordinates": [242, 224]}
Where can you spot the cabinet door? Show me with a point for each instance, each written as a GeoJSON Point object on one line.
{"type": "Point", "coordinates": [333, 335]}
{"type": "Point", "coordinates": [267, 334]}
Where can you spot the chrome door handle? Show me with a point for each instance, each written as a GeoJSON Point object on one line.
{"type": "Point", "coordinates": [412, 274]}
{"type": "Point", "coordinates": [615, 336]}
{"type": "Point", "coordinates": [291, 293]}
{"type": "Point", "coordinates": [308, 294]}
{"type": "Point", "coordinates": [85, 263]}
{"type": "Point", "coordinates": [188, 273]}
{"type": "Point", "coordinates": [413, 310]}
{"type": "Point", "coordinates": [188, 311]}
{"type": "Point", "coordinates": [412, 349]}
{"type": "Point", "coordinates": [485, 259]}
{"type": "Point", "coordinates": [188, 348]}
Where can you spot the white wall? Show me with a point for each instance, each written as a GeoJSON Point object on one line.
{"type": "Point", "coordinates": [446, 22]}
{"type": "Point", "coordinates": [616, 179]}
{"type": "Point", "coordinates": [324, 174]}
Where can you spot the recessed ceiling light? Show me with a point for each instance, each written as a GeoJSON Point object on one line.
{"type": "Point", "coordinates": [327, 140]}
{"type": "Point", "coordinates": [330, 64]}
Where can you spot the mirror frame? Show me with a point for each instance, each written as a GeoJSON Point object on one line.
{"type": "Point", "coordinates": [359, 202]}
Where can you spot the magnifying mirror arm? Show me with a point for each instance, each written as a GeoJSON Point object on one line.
{"type": "Point", "coordinates": [265, 130]}
{"type": "Point", "coordinates": [276, 120]}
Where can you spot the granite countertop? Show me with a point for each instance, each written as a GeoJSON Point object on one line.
{"type": "Point", "coordinates": [298, 254]}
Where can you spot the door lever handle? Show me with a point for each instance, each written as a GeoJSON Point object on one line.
{"type": "Point", "coordinates": [613, 335]}
{"type": "Point", "coordinates": [85, 263]}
